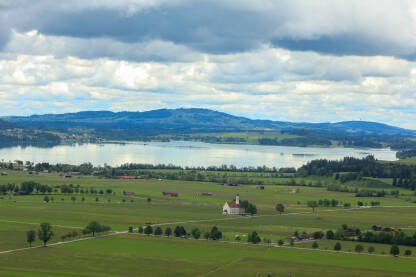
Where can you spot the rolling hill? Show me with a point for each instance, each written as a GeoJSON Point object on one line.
{"type": "Point", "coordinates": [196, 120]}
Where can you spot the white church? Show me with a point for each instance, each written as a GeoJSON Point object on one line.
{"type": "Point", "coordinates": [233, 208]}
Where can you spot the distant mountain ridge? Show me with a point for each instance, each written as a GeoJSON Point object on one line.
{"type": "Point", "coordinates": [195, 119]}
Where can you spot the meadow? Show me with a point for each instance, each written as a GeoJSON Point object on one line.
{"type": "Point", "coordinates": [132, 254]}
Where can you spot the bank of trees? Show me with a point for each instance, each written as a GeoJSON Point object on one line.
{"type": "Point", "coordinates": [403, 175]}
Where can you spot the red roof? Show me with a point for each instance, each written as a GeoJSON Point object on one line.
{"type": "Point", "coordinates": [233, 205]}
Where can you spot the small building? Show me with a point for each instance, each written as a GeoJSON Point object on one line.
{"type": "Point", "coordinates": [389, 229]}
{"type": "Point", "coordinates": [74, 173]}
{"type": "Point", "coordinates": [377, 227]}
{"type": "Point", "coordinates": [4, 174]}
{"type": "Point", "coordinates": [230, 184]}
{"type": "Point", "coordinates": [20, 192]}
{"type": "Point", "coordinates": [168, 193]}
{"type": "Point", "coordinates": [295, 190]}
{"type": "Point", "coordinates": [127, 177]}
{"type": "Point", "coordinates": [233, 208]}
{"type": "Point", "coordinates": [260, 187]}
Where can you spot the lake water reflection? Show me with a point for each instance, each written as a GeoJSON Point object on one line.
{"type": "Point", "coordinates": [186, 154]}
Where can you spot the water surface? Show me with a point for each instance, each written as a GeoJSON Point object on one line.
{"type": "Point", "coordinates": [186, 154]}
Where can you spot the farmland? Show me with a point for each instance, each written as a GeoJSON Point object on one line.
{"type": "Point", "coordinates": [132, 254]}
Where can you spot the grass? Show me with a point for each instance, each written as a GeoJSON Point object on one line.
{"type": "Point", "coordinates": [132, 255]}
{"type": "Point", "coordinates": [349, 246]}
{"type": "Point", "coordinates": [126, 255]}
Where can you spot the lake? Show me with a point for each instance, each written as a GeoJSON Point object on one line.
{"type": "Point", "coordinates": [186, 154]}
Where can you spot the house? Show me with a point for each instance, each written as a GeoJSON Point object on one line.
{"type": "Point", "coordinates": [74, 173]}
{"type": "Point", "coordinates": [295, 190]}
{"type": "Point", "coordinates": [389, 229]}
{"type": "Point", "coordinates": [377, 227]}
{"type": "Point", "coordinates": [20, 192]}
{"type": "Point", "coordinates": [230, 184]}
{"type": "Point", "coordinates": [207, 194]}
{"type": "Point", "coordinates": [233, 208]}
{"type": "Point", "coordinates": [127, 177]}
{"type": "Point", "coordinates": [167, 193]}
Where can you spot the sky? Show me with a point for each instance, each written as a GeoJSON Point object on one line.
{"type": "Point", "coordinates": [303, 61]}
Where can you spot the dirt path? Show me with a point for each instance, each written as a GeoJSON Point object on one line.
{"type": "Point", "coordinates": [37, 223]}
{"type": "Point", "coordinates": [61, 242]}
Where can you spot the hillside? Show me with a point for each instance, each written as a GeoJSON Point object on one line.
{"type": "Point", "coordinates": [196, 120]}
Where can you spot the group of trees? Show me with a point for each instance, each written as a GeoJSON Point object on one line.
{"type": "Point", "coordinates": [396, 237]}
{"type": "Point", "coordinates": [180, 232]}
{"type": "Point", "coordinates": [30, 187]}
{"type": "Point", "coordinates": [385, 237]}
{"type": "Point", "coordinates": [27, 187]}
{"type": "Point", "coordinates": [249, 208]}
{"type": "Point", "coordinates": [45, 234]}
{"type": "Point", "coordinates": [403, 175]}
{"type": "Point", "coordinates": [328, 203]}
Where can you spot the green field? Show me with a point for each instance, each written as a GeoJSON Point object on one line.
{"type": "Point", "coordinates": [138, 255]}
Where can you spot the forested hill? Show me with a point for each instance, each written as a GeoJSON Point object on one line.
{"type": "Point", "coordinates": [196, 120]}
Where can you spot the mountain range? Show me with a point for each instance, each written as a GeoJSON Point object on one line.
{"type": "Point", "coordinates": [197, 120]}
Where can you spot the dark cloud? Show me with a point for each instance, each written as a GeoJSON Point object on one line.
{"type": "Point", "coordinates": [337, 28]}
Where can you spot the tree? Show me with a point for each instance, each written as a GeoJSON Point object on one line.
{"type": "Point", "coordinates": [206, 235]}
{"type": "Point", "coordinates": [315, 245]}
{"type": "Point", "coordinates": [94, 227]}
{"type": "Point", "coordinates": [254, 237]}
{"type": "Point", "coordinates": [179, 231]}
{"type": "Point", "coordinates": [280, 208]}
{"type": "Point", "coordinates": [30, 237]}
{"type": "Point", "coordinates": [148, 230]}
{"type": "Point", "coordinates": [407, 252]}
{"type": "Point", "coordinates": [330, 234]}
{"type": "Point", "coordinates": [73, 198]}
{"type": "Point", "coordinates": [359, 248]}
{"type": "Point", "coordinates": [280, 242]}
{"type": "Point", "coordinates": [158, 231]}
{"type": "Point", "coordinates": [371, 249]}
{"type": "Point", "coordinates": [251, 209]}
{"type": "Point", "coordinates": [168, 232]}
{"type": "Point", "coordinates": [196, 234]}
{"type": "Point", "coordinates": [46, 199]}
{"type": "Point", "coordinates": [312, 204]}
{"type": "Point", "coordinates": [45, 233]}
{"type": "Point", "coordinates": [215, 233]}
{"type": "Point", "coordinates": [149, 200]}
{"type": "Point", "coordinates": [130, 229]}
{"type": "Point", "coordinates": [394, 250]}
{"type": "Point", "coordinates": [141, 230]}
{"type": "Point", "coordinates": [337, 246]}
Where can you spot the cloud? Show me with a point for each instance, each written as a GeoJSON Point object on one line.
{"type": "Point", "coordinates": [354, 27]}
{"type": "Point", "coordinates": [268, 83]}
{"type": "Point", "coordinates": [283, 60]}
